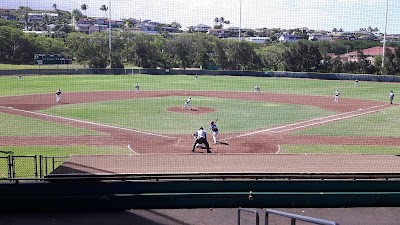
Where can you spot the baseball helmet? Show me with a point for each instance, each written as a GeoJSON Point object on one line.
{"type": "Point", "coordinates": [212, 122]}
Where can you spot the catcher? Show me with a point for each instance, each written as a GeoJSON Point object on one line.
{"type": "Point", "coordinates": [201, 138]}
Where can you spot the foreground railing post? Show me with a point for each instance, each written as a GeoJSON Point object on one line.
{"type": "Point", "coordinates": [250, 211]}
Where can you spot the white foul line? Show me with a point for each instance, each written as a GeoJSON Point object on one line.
{"type": "Point", "coordinates": [87, 122]}
{"type": "Point", "coordinates": [134, 152]}
{"type": "Point", "coordinates": [326, 119]}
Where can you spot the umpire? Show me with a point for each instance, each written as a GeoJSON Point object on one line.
{"type": "Point", "coordinates": [201, 138]}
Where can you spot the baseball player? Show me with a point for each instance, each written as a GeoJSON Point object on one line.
{"type": "Point", "coordinates": [391, 96]}
{"type": "Point", "coordinates": [195, 77]}
{"type": "Point", "coordinates": [58, 95]}
{"type": "Point", "coordinates": [355, 82]}
{"type": "Point", "coordinates": [137, 88]}
{"type": "Point", "coordinates": [214, 128]}
{"type": "Point", "coordinates": [257, 89]}
{"type": "Point", "coordinates": [20, 77]}
{"type": "Point", "coordinates": [337, 95]}
{"type": "Point", "coordinates": [187, 104]}
{"type": "Point", "coordinates": [201, 138]}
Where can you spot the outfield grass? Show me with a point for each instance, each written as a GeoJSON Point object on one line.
{"type": "Point", "coordinates": [12, 125]}
{"type": "Point", "coordinates": [339, 149]}
{"type": "Point", "coordinates": [10, 85]}
{"type": "Point", "coordinates": [380, 124]}
{"type": "Point", "coordinates": [151, 115]}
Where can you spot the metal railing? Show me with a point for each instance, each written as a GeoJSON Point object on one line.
{"type": "Point", "coordinates": [255, 212]}
{"type": "Point", "coordinates": [295, 217]}
{"type": "Point", "coordinates": [35, 166]}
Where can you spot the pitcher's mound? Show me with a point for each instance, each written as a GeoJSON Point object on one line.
{"type": "Point", "coordinates": [195, 110]}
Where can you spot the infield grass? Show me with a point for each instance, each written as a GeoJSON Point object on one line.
{"type": "Point", "coordinates": [151, 114]}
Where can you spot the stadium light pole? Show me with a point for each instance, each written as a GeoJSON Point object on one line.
{"type": "Point", "coordinates": [109, 32]}
{"type": "Point", "coordinates": [240, 20]}
{"type": "Point", "coordinates": [384, 36]}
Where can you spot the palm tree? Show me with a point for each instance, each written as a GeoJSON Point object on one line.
{"type": "Point", "coordinates": [104, 8]}
{"type": "Point", "coordinates": [84, 7]}
{"type": "Point", "coordinates": [220, 22]}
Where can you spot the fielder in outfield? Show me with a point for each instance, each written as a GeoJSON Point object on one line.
{"type": "Point", "coordinates": [58, 95]}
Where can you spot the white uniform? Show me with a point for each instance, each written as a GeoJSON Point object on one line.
{"type": "Point", "coordinates": [337, 95]}
{"type": "Point", "coordinates": [214, 128]}
{"type": "Point", "coordinates": [187, 104]}
{"type": "Point", "coordinates": [58, 95]}
{"type": "Point", "coordinates": [137, 88]}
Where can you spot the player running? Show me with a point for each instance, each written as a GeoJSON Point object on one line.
{"type": "Point", "coordinates": [257, 89]}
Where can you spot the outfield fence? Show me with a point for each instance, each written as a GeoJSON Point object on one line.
{"type": "Point", "coordinates": [35, 166]}
{"type": "Point", "coordinates": [288, 74]}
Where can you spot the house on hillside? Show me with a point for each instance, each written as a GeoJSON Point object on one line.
{"type": "Point", "coordinates": [201, 28]}
{"type": "Point", "coordinates": [369, 53]}
{"type": "Point", "coordinates": [319, 37]}
{"type": "Point", "coordinates": [220, 33]}
{"type": "Point", "coordinates": [289, 38]}
{"type": "Point", "coordinates": [40, 16]}
{"type": "Point", "coordinates": [258, 40]}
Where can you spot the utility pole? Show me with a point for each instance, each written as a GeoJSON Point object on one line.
{"type": "Point", "coordinates": [240, 20]}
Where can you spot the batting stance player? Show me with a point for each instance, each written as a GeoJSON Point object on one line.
{"type": "Point", "coordinates": [214, 128]}
{"type": "Point", "coordinates": [201, 138]}
{"type": "Point", "coordinates": [58, 95]}
{"type": "Point", "coordinates": [187, 104]}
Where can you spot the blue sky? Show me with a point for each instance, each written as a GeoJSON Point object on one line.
{"type": "Point", "coordinates": [350, 15]}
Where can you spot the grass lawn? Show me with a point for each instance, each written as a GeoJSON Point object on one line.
{"type": "Point", "coordinates": [25, 165]}
{"type": "Point", "coordinates": [12, 125]}
{"type": "Point", "coordinates": [10, 85]}
{"type": "Point", "coordinates": [381, 124]}
{"type": "Point", "coordinates": [151, 115]}
{"type": "Point", "coordinates": [62, 150]}
{"type": "Point", "coordinates": [339, 149]}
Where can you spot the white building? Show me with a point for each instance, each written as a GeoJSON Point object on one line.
{"type": "Point", "coordinates": [258, 40]}
{"type": "Point", "coordinates": [289, 38]}
{"type": "Point", "coordinates": [202, 28]}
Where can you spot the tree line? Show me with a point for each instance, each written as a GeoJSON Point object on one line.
{"type": "Point", "coordinates": [193, 51]}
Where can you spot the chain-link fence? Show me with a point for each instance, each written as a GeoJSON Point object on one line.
{"type": "Point", "coordinates": [35, 166]}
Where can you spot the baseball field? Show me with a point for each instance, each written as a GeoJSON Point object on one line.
{"type": "Point", "coordinates": [102, 114]}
